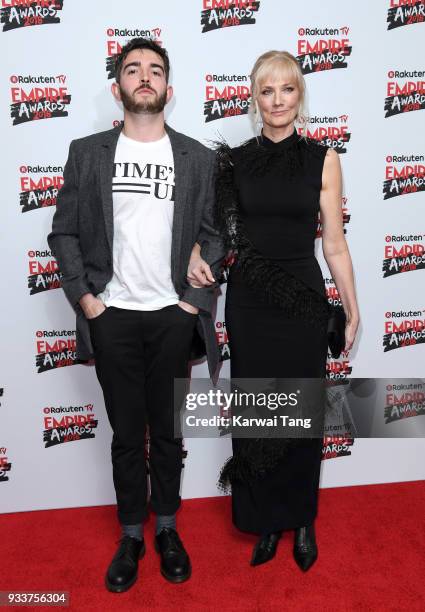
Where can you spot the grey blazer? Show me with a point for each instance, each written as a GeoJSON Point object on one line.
{"type": "Point", "coordinates": [83, 229]}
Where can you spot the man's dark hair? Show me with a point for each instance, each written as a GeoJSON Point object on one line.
{"type": "Point", "coordinates": [141, 43]}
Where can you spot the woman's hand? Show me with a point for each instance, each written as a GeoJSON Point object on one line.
{"type": "Point", "coordinates": [198, 271]}
{"type": "Point", "coordinates": [351, 331]}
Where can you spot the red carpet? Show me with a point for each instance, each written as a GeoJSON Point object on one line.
{"type": "Point", "coordinates": [371, 557]}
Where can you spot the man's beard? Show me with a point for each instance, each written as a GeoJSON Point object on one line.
{"type": "Point", "coordinates": [147, 105]}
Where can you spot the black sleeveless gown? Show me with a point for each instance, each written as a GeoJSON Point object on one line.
{"type": "Point", "coordinates": [279, 213]}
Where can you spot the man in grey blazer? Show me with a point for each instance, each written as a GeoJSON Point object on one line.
{"type": "Point", "coordinates": [134, 202]}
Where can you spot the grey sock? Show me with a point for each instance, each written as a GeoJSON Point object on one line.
{"type": "Point", "coordinates": [134, 531]}
{"type": "Point", "coordinates": [165, 520]}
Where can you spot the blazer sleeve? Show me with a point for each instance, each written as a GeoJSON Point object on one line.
{"type": "Point", "coordinates": [63, 240]}
{"type": "Point", "coordinates": [212, 247]}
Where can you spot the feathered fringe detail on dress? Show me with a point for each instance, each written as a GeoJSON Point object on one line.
{"type": "Point", "coordinates": [254, 460]}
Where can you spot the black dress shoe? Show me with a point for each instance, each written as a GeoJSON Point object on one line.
{"type": "Point", "coordinates": [122, 572]}
{"type": "Point", "coordinates": [305, 547]}
{"type": "Point", "coordinates": [265, 548]}
{"type": "Point", "coordinates": [175, 562]}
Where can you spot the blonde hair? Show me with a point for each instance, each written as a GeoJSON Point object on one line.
{"type": "Point", "coordinates": [271, 63]}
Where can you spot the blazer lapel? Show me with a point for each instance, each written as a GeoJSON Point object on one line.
{"type": "Point", "coordinates": [181, 178]}
{"type": "Point", "coordinates": [106, 164]}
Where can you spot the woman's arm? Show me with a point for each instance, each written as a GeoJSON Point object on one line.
{"type": "Point", "coordinates": [335, 248]}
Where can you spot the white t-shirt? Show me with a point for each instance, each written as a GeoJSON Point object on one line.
{"type": "Point", "coordinates": [143, 201]}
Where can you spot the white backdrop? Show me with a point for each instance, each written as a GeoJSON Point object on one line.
{"type": "Point", "coordinates": [71, 53]}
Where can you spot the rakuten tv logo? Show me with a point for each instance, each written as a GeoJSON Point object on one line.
{"type": "Point", "coordinates": [404, 96]}
{"type": "Point", "coordinates": [222, 340]}
{"type": "Point", "coordinates": [217, 14]}
{"type": "Point", "coordinates": [404, 401]}
{"type": "Point", "coordinates": [68, 424]}
{"type": "Point", "coordinates": [227, 97]}
{"type": "Point", "coordinates": [5, 465]}
{"type": "Point", "coordinates": [23, 13]}
{"type": "Point", "coordinates": [43, 272]}
{"type": "Point", "coordinates": [346, 216]}
{"type": "Point", "coordinates": [33, 103]}
{"type": "Point", "coordinates": [405, 12]}
{"type": "Point", "coordinates": [322, 49]}
{"type": "Point", "coordinates": [39, 186]}
{"type": "Point", "coordinates": [407, 254]}
{"type": "Point", "coordinates": [407, 332]}
{"type": "Point", "coordinates": [55, 349]}
{"type": "Point", "coordinates": [118, 37]}
{"type": "Point", "coordinates": [403, 175]}
{"type": "Point", "coordinates": [330, 131]}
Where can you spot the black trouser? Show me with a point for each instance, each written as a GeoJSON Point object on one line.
{"type": "Point", "coordinates": [138, 354]}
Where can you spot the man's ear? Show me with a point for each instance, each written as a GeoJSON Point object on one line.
{"type": "Point", "coordinates": [116, 91]}
{"type": "Point", "coordinates": [170, 93]}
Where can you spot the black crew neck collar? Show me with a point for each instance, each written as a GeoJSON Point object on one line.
{"type": "Point", "coordinates": [281, 144]}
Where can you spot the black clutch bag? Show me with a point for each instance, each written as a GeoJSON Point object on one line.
{"type": "Point", "coordinates": [336, 330]}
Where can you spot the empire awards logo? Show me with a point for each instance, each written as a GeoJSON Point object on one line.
{"type": "Point", "coordinates": [5, 465]}
{"type": "Point", "coordinates": [336, 446]}
{"type": "Point", "coordinates": [34, 98]}
{"type": "Point", "coordinates": [404, 401]}
{"type": "Point", "coordinates": [331, 131]}
{"type": "Point", "coordinates": [408, 331]}
{"type": "Point", "coordinates": [68, 424]}
{"type": "Point", "coordinates": [217, 14]}
{"type": "Point", "coordinates": [407, 254]}
{"type": "Point", "coordinates": [338, 369]}
{"type": "Point", "coordinates": [403, 175]}
{"type": "Point", "coordinates": [222, 340]}
{"type": "Point", "coordinates": [405, 12]}
{"type": "Point", "coordinates": [55, 349]}
{"type": "Point", "coordinates": [332, 294]}
{"type": "Point", "coordinates": [320, 49]}
{"type": "Point", "coordinates": [118, 37]}
{"type": "Point", "coordinates": [43, 272]}
{"type": "Point", "coordinates": [39, 186]}
{"type": "Point", "coordinates": [405, 92]}
{"type": "Point", "coordinates": [227, 97]}
{"type": "Point", "coordinates": [16, 14]}
{"type": "Point", "coordinates": [341, 368]}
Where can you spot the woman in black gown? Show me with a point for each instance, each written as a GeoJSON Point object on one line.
{"type": "Point", "coordinates": [269, 193]}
